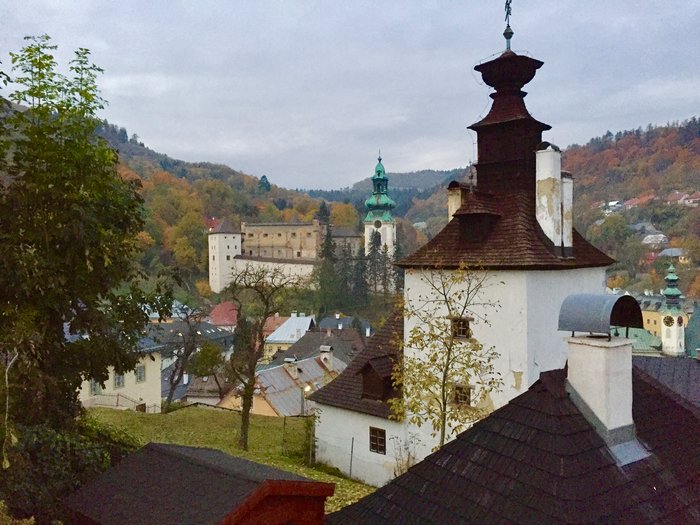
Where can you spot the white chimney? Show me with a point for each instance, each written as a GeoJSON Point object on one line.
{"type": "Point", "coordinates": [548, 195]}
{"type": "Point", "coordinates": [340, 326]}
{"type": "Point", "coordinates": [454, 198]}
{"type": "Point", "coordinates": [600, 384]}
{"type": "Point", "coordinates": [337, 315]}
{"type": "Point", "coordinates": [326, 352]}
{"type": "Point", "coordinates": [294, 313]}
{"type": "Point", "coordinates": [567, 212]}
{"type": "Point", "coordinates": [367, 332]}
{"type": "Point", "coordinates": [290, 364]}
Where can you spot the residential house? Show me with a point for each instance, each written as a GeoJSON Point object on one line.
{"type": "Point", "coordinates": [677, 255]}
{"type": "Point", "coordinates": [513, 224]}
{"type": "Point", "coordinates": [283, 390]}
{"type": "Point", "coordinates": [655, 240]}
{"type": "Point", "coordinates": [676, 197]}
{"type": "Point", "coordinates": [340, 321]}
{"type": "Point", "coordinates": [206, 390]}
{"type": "Point", "coordinates": [224, 315]}
{"type": "Point", "coordinates": [286, 335]}
{"type": "Point", "coordinates": [345, 342]}
{"type": "Point", "coordinates": [692, 200]}
{"type": "Point", "coordinates": [199, 486]}
{"type": "Point", "coordinates": [137, 389]}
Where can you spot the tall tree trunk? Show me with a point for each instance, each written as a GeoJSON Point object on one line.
{"type": "Point", "coordinates": [248, 391]}
{"type": "Point", "coordinates": [174, 380]}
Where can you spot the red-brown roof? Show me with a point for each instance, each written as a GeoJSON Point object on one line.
{"type": "Point", "coordinates": [224, 314]}
{"type": "Point", "coordinates": [500, 232]}
{"type": "Point", "coordinates": [345, 391]}
{"type": "Point", "coordinates": [273, 323]}
{"type": "Point", "coordinates": [538, 460]}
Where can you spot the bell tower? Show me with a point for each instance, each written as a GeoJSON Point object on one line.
{"type": "Point", "coordinates": [672, 318]}
{"type": "Point", "coordinates": [379, 205]}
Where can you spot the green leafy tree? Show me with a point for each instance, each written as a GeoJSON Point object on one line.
{"type": "Point", "coordinates": [446, 374]}
{"type": "Point", "coordinates": [385, 271]}
{"type": "Point", "coordinates": [70, 295]}
{"type": "Point", "coordinates": [258, 293]}
{"type": "Point", "coordinates": [209, 361]}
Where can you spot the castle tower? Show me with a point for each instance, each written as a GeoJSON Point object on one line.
{"type": "Point", "coordinates": [224, 245]}
{"type": "Point", "coordinates": [379, 216]}
{"type": "Point", "coordinates": [673, 329]}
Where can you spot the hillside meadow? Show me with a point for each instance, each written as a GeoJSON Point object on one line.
{"type": "Point", "coordinates": [273, 441]}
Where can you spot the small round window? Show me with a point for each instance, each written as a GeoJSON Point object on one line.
{"type": "Point", "coordinates": [377, 224]}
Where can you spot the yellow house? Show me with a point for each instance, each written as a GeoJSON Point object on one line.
{"type": "Point", "coordinates": [286, 335]}
{"type": "Point", "coordinates": [139, 389]}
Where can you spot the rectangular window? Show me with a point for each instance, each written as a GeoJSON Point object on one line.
{"type": "Point", "coordinates": [463, 395]}
{"type": "Point", "coordinates": [228, 257]}
{"type": "Point", "coordinates": [140, 373]}
{"type": "Point", "coordinates": [264, 234]}
{"type": "Point", "coordinates": [377, 440]}
{"type": "Point", "coordinates": [118, 381]}
{"type": "Point", "coordinates": [95, 388]}
{"type": "Point", "coordinates": [298, 254]}
{"type": "Point", "coordinates": [250, 235]}
{"type": "Point", "coordinates": [308, 235]}
{"type": "Point", "coordinates": [294, 234]}
{"type": "Point", "coordinates": [279, 235]}
{"type": "Point", "coordinates": [213, 257]}
{"type": "Point", "coordinates": [460, 327]}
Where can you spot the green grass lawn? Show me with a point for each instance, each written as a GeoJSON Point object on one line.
{"type": "Point", "coordinates": [271, 441]}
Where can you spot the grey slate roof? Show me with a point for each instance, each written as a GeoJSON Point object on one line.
{"type": "Point", "coordinates": [283, 392]}
{"type": "Point", "coordinates": [680, 374]}
{"type": "Point", "coordinates": [172, 484]}
{"type": "Point", "coordinates": [346, 343]}
{"type": "Point", "coordinates": [346, 321]}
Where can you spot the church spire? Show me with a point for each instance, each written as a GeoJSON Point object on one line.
{"type": "Point", "coordinates": [379, 207]}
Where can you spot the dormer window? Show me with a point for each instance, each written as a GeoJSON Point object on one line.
{"type": "Point", "coordinates": [461, 327]}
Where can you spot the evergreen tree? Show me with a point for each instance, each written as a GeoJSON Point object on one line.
{"type": "Point", "coordinates": [264, 184]}
{"type": "Point", "coordinates": [344, 267]}
{"type": "Point", "coordinates": [328, 246]}
{"type": "Point", "coordinates": [359, 279]}
{"type": "Point", "coordinates": [374, 261]}
{"type": "Point", "coordinates": [324, 213]}
{"type": "Point", "coordinates": [385, 271]}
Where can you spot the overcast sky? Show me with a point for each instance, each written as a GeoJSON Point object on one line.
{"type": "Point", "coordinates": [306, 92]}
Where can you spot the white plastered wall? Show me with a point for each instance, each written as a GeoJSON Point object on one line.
{"type": "Point", "coordinates": [223, 248]}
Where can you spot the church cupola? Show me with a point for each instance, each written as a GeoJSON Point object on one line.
{"type": "Point", "coordinates": [508, 136]}
{"type": "Point", "coordinates": [379, 206]}
{"type": "Point", "coordinates": [672, 317]}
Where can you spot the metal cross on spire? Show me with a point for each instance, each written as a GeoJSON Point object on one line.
{"type": "Point", "coordinates": [508, 33]}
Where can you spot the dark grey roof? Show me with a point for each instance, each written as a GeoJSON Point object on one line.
{"type": "Point", "coordinates": [680, 374]}
{"type": "Point", "coordinates": [162, 336]}
{"type": "Point", "coordinates": [346, 343]}
{"type": "Point", "coordinates": [538, 460]}
{"type": "Point", "coordinates": [345, 321]}
{"type": "Point", "coordinates": [172, 484]}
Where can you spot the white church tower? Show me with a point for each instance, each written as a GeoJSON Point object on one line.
{"type": "Point", "coordinates": [379, 218]}
{"type": "Point", "coordinates": [224, 245]}
{"type": "Point", "coordinates": [673, 329]}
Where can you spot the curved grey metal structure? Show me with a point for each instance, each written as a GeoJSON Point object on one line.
{"type": "Point", "coordinates": [595, 313]}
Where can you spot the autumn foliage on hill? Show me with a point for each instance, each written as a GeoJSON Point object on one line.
{"type": "Point", "coordinates": [635, 163]}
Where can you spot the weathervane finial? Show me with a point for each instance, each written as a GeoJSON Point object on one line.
{"type": "Point", "coordinates": [508, 33]}
{"type": "Point", "coordinates": [379, 158]}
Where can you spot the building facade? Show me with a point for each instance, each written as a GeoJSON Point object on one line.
{"type": "Point", "coordinates": [514, 229]}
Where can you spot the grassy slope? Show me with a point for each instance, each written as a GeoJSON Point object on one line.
{"type": "Point", "coordinates": [218, 429]}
